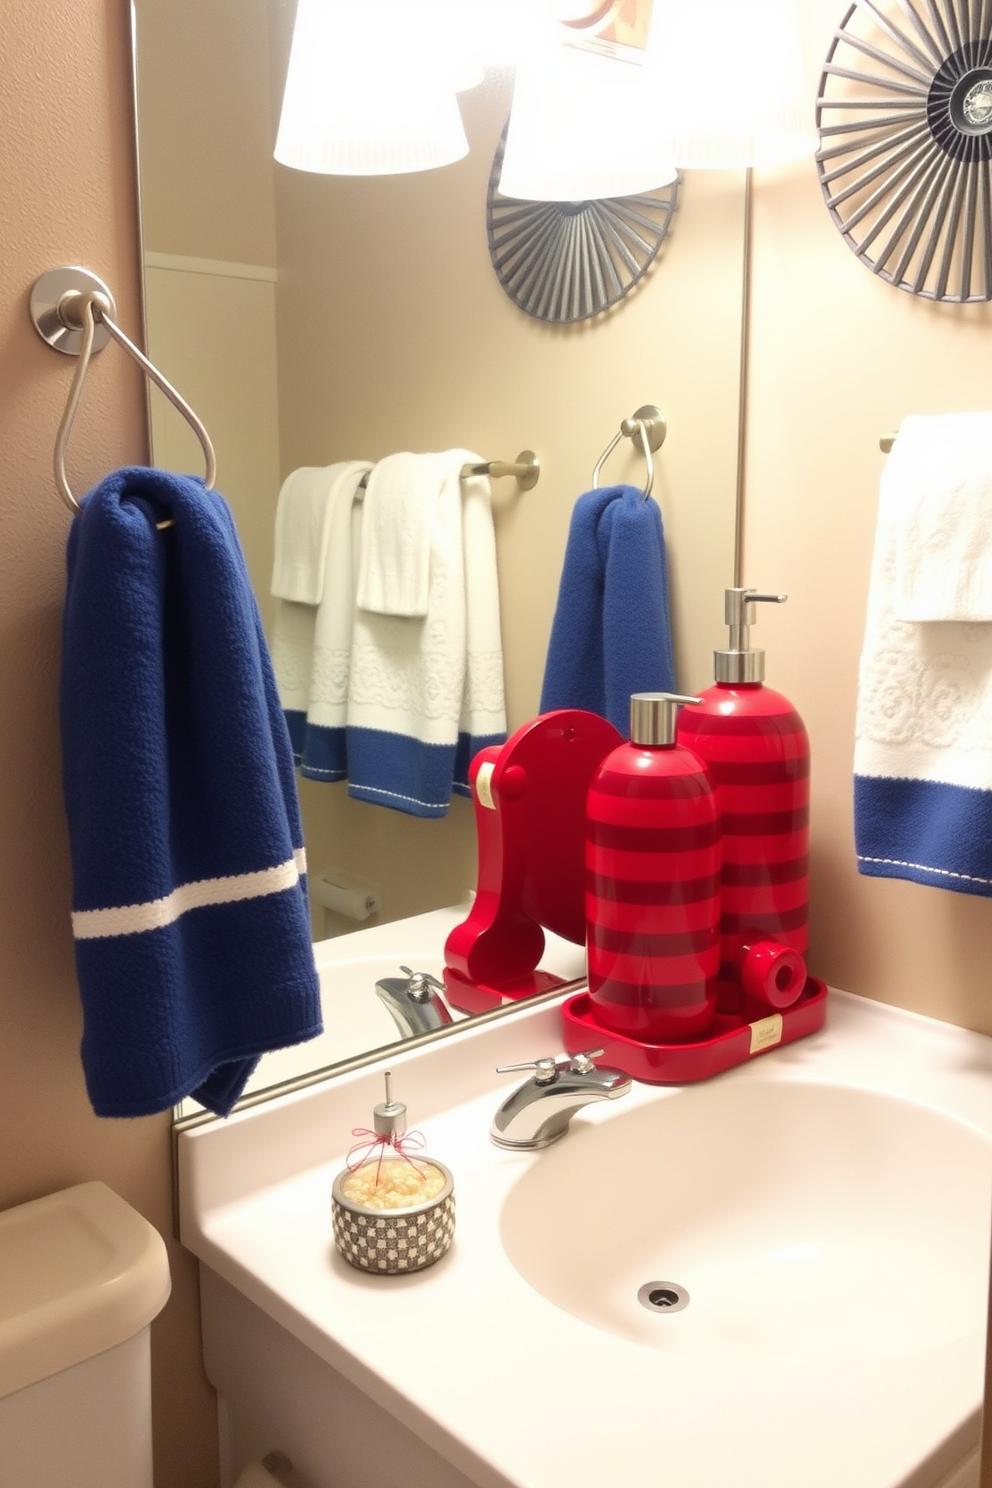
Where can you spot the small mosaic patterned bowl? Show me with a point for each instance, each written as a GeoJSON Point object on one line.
{"type": "Point", "coordinates": [394, 1242]}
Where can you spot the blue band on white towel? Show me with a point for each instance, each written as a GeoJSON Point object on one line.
{"type": "Point", "coordinates": [468, 747]}
{"type": "Point", "coordinates": [320, 753]}
{"type": "Point", "coordinates": [925, 831]}
{"type": "Point", "coordinates": [407, 774]}
{"type": "Point", "coordinates": [296, 725]}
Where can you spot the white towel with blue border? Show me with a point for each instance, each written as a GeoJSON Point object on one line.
{"type": "Point", "coordinates": [318, 522]}
{"type": "Point", "coordinates": [923, 747]}
{"type": "Point", "coordinates": [426, 685]}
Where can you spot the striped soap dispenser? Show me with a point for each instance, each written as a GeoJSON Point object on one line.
{"type": "Point", "coordinates": [653, 854]}
{"type": "Point", "coordinates": [756, 749]}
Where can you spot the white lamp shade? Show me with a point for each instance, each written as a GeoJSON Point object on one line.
{"type": "Point", "coordinates": [368, 97]}
{"type": "Point", "coordinates": [583, 127]}
{"type": "Point", "coordinates": [731, 80]}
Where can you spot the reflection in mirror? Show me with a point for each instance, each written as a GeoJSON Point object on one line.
{"type": "Point", "coordinates": [358, 1020]}
{"type": "Point", "coordinates": [311, 319]}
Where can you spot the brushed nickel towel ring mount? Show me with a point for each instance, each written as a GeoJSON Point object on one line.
{"type": "Point", "coordinates": [649, 426]}
{"type": "Point", "coordinates": [74, 312]}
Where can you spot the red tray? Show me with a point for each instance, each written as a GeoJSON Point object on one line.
{"type": "Point", "coordinates": [731, 1042]}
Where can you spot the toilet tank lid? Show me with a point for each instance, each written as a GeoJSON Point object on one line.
{"type": "Point", "coordinates": [80, 1271]}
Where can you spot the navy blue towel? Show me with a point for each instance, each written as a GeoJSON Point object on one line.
{"type": "Point", "coordinates": [192, 935]}
{"type": "Point", "coordinates": [610, 636]}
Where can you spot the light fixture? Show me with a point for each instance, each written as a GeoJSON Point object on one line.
{"type": "Point", "coordinates": [364, 98]}
{"type": "Point", "coordinates": [732, 84]}
{"type": "Point", "coordinates": [582, 126]}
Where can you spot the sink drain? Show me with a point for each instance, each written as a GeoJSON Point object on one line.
{"type": "Point", "coordinates": [663, 1296]}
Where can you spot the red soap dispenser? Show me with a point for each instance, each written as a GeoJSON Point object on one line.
{"type": "Point", "coordinates": [653, 884]}
{"type": "Point", "coordinates": [756, 749]}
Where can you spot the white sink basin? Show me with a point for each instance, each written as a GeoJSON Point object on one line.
{"type": "Point", "coordinates": [826, 1207]}
{"type": "Point", "coordinates": [809, 1222]}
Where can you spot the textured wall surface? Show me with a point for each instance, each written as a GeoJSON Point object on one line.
{"type": "Point", "coordinates": [67, 196]}
{"type": "Point", "coordinates": [839, 358]}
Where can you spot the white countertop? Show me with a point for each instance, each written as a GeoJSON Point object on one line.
{"type": "Point", "coordinates": [514, 1390]}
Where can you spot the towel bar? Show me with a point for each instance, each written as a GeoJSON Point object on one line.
{"type": "Point", "coordinates": [526, 468]}
{"type": "Point", "coordinates": [649, 425]}
{"type": "Point", "coordinates": [74, 312]}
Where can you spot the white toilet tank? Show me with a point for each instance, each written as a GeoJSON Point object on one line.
{"type": "Point", "coordinates": [82, 1274]}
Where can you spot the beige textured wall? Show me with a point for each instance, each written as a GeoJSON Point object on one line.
{"type": "Point", "coordinates": [66, 196]}
{"type": "Point", "coordinates": [217, 198]}
{"type": "Point", "coordinates": [838, 359]}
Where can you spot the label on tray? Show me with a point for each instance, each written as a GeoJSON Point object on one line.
{"type": "Point", "coordinates": [766, 1033]}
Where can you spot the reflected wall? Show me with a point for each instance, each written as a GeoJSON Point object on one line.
{"type": "Point", "coordinates": [311, 319]}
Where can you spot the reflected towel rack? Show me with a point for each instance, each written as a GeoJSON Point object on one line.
{"type": "Point", "coordinates": [75, 313]}
{"type": "Point", "coordinates": [647, 424]}
{"type": "Point", "coordinates": [526, 469]}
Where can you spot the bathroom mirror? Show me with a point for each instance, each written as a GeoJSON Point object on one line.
{"type": "Point", "coordinates": [310, 319]}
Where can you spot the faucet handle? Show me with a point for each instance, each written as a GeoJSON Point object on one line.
{"type": "Point", "coordinates": [421, 983]}
{"type": "Point", "coordinates": [581, 1064]}
{"type": "Point", "coordinates": [549, 1068]}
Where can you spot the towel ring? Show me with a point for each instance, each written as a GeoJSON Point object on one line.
{"type": "Point", "coordinates": [649, 425]}
{"type": "Point", "coordinates": [74, 312]}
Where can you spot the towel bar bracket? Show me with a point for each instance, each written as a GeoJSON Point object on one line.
{"type": "Point", "coordinates": [526, 468]}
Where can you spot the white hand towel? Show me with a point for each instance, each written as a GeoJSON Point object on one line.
{"type": "Point", "coordinates": [311, 643]}
{"type": "Point", "coordinates": [397, 527]}
{"type": "Point", "coordinates": [303, 513]}
{"type": "Point", "coordinates": [923, 748]}
{"type": "Point", "coordinates": [427, 692]}
{"type": "Point", "coordinates": [943, 465]}
{"type": "Point", "coordinates": [483, 712]}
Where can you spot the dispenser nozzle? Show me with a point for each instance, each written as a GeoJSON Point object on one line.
{"type": "Point", "coordinates": [742, 662]}
{"type": "Point", "coordinates": [389, 1117]}
{"type": "Point", "coordinates": [653, 717]}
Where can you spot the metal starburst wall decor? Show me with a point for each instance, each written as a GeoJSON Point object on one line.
{"type": "Point", "coordinates": [904, 116]}
{"type": "Point", "coordinates": [568, 261]}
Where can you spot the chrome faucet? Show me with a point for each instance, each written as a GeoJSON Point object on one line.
{"type": "Point", "coordinates": [414, 1001]}
{"type": "Point", "coordinates": [538, 1112]}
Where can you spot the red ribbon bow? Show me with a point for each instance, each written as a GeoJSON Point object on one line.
{"type": "Point", "coordinates": [362, 1151]}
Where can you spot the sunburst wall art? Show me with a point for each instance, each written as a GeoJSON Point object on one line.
{"type": "Point", "coordinates": [904, 116]}
{"type": "Point", "coordinates": [568, 261]}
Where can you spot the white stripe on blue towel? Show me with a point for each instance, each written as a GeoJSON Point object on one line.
{"type": "Point", "coordinates": [193, 944]}
{"type": "Point", "coordinates": [923, 747]}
